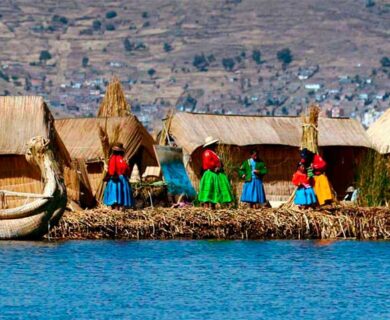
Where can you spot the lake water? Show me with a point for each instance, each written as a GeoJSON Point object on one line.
{"type": "Point", "coordinates": [195, 280]}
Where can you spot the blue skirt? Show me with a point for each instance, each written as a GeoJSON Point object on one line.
{"type": "Point", "coordinates": [253, 192]}
{"type": "Point", "coordinates": [305, 197]}
{"type": "Point", "coordinates": [118, 192]}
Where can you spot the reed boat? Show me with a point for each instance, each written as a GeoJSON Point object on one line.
{"type": "Point", "coordinates": [34, 219]}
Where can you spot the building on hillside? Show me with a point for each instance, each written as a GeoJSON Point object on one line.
{"type": "Point", "coordinates": [21, 119]}
{"type": "Point", "coordinates": [342, 142]}
{"type": "Point", "coordinates": [81, 138]}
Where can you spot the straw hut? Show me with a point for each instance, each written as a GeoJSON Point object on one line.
{"type": "Point", "coordinates": [22, 118]}
{"type": "Point", "coordinates": [81, 138]}
{"type": "Point", "coordinates": [342, 142]}
{"type": "Point", "coordinates": [379, 134]}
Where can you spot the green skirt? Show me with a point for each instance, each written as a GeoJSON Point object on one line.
{"type": "Point", "coordinates": [215, 188]}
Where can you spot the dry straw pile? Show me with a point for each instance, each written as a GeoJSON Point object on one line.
{"type": "Point", "coordinates": [197, 223]}
{"type": "Point", "coordinates": [309, 138]}
{"type": "Point", "coordinates": [114, 103]}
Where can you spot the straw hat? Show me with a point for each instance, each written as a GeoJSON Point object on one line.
{"type": "Point", "coordinates": [209, 141]}
{"type": "Point", "coordinates": [118, 147]}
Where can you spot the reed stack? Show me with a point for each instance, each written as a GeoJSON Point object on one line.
{"type": "Point", "coordinates": [197, 223]}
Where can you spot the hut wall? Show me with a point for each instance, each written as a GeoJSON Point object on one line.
{"type": "Point", "coordinates": [342, 167]}
{"type": "Point", "coordinates": [16, 174]}
{"type": "Point", "coordinates": [94, 171]}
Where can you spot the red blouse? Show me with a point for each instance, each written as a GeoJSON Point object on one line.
{"type": "Point", "coordinates": [300, 178]}
{"type": "Point", "coordinates": [117, 166]}
{"type": "Point", "coordinates": [210, 160]}
{"type": "Point", "coordinates": [319, 164]}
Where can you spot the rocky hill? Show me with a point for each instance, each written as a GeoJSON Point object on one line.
{"type": "Point", "coordinates": [225, 56]}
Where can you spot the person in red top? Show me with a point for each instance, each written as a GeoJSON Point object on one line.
{"type": "Point", "coordinates": [214, 186]}
{"type": "Point", "coordinates": [304, 194]}
{"type": "Point", "coordinates": [322, 187]}
{"type": "Point", "coordinates": [117, 193]}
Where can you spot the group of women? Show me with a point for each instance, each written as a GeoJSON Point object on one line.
{"type": "Point", "coordinates": [215, 187]}
{"type": "Point", "coordinates": [312, 184]}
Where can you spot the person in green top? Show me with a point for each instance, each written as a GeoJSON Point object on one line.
{"type": "Point", "coordinates": [253, 171]}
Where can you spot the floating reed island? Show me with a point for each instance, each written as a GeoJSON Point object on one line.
{"type": "Point", "coordinates": [233, 224]}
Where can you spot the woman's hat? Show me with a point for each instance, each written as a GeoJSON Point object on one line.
{"type": "Point", "coordinates": [209, 141]}
{"type": "Point", "coordinates": [118, 147]}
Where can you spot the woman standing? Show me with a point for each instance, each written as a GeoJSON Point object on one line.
{"type": "Point", "coordinates": [253, 170]}
{"type": "Point", "coordinates": [118, 192]}
{"type": "Point", "coordinates": [214, 186]}
{"type": "Point", "coordinates": [322, 186]}
{"type": "Point", "coordinates": [304, 195]}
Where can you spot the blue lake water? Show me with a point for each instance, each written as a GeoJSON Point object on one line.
{"type": "Point", "coordinates": [195, 280]}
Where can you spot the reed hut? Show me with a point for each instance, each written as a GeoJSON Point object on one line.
{"type": "Point", "coordinates": [81, 138]}
{"type": "Point", "coordinates": [379, 134]}
{"type": "Point", "coordinates": [22, 118]}
{"type": "Point", "coordinates": [342, 142]}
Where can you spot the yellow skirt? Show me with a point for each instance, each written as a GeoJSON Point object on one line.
{"type": "Point", "coordinates": [322, 189]}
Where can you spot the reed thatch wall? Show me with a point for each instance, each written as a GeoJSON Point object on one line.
{"type": "Point", "coordinates": [277, 139]}
{"type": "Point", "coordinates": [22, 118]}
{"type": "Point", "coordinates": [379, 133]}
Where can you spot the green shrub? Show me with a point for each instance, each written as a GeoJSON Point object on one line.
{"type": "Point", "coordinates": [167, 47]}
{"type": "Point", "coordinates": [256, 56]}
{"type": "Point", "coordinates": [385, 62]}
{"type": "Point", "coordinates": [285, 56]}
{"type": "Point", "coordinates": [228, 64]}
{"type": "Point", "coordinates": [44, 55]}
{"type": "Point", "coordinates": [200, 62]}
{"type": "Point", "coordinates": [111, 14]}
{"type": "Point", "coordinates": [96, 25]}
{"type": "Point", "coordinates": [373, 181]}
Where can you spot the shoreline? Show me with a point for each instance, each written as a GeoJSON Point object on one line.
{"type": "Point", "coordinates": [225, 224]}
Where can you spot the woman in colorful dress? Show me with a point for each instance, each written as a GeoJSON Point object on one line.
{"type": "Point", "coordinates": [322, 186]}
{"type": "Point", "coordinates": [118, 192]}
{"type": "Point", "coordinates": [304, 194]}
{"type": "Point", "coordinates": [253, 170]}
{"type": "Point", "coordinates": [214, 186]}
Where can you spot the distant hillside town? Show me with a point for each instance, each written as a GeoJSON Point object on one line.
{"type": "Point", "coordinates": [225, 57]}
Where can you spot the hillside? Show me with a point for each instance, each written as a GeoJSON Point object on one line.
{"type": "Point", "coordinates": [209, 56]}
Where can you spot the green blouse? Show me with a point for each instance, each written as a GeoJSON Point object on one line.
{"type": "Point", "coordinates": [246, 169]}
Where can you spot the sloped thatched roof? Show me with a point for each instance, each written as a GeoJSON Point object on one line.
{"type": "Point", "coordinates": [190, 130]}
{"type": "Point", "coordinates": [22, 118]}
{"type": "Point", "coordinates": [379, 133]}
{"type": "Point", "coordinates": [81, 136]}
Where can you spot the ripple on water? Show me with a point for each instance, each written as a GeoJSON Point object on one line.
{"type": "Point", "coordinates": [195, 280]}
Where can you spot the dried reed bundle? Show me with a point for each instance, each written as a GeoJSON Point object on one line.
{"type": "Point", "coordinates": [114, 103]}
{"type": "Point", "coordinates": [196, 223]}
{"type": "Point", "coordinates": [309, 138]}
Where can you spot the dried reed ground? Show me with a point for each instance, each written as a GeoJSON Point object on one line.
{"type": "Point", "coordinates": [198, 223]}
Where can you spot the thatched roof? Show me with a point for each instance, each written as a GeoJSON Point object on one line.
{"type": "Point", "coordinates": [22, 118]}
{"type": "Point", "coordinates": [190, 130]}
{"type": "Point", "coordinates": [81, 136]}
{"type": "Point", "coordinates": [379, 133]}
